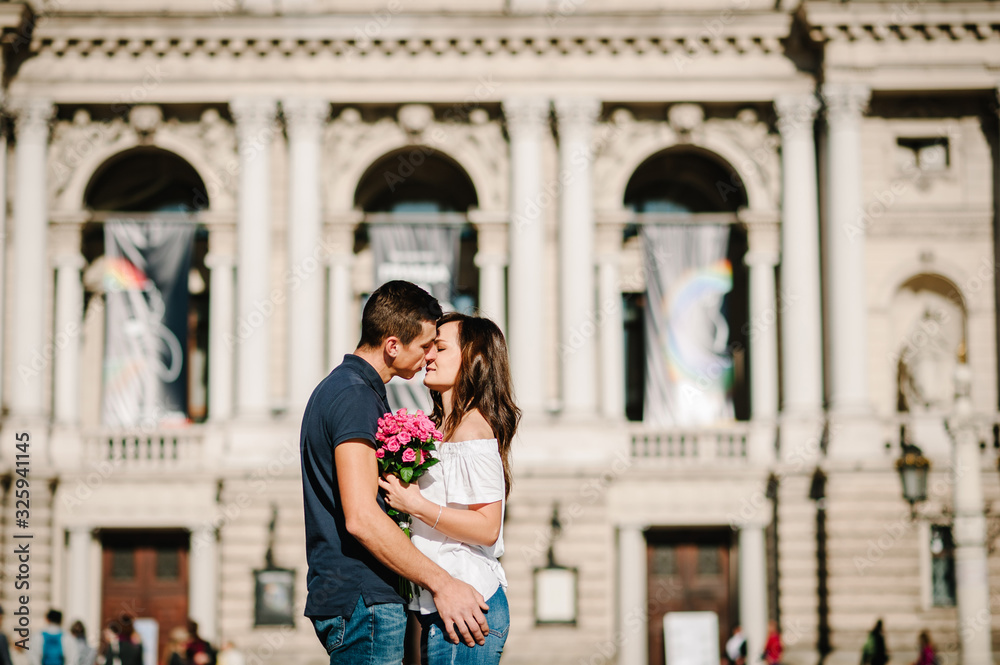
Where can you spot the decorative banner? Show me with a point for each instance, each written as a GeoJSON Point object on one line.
{"type": "Point", "coordinates": [147, 310]}
{"type": "Point", "coordinates": [689, 368]}
{"type": "Point", "coordinates": [426, 255]}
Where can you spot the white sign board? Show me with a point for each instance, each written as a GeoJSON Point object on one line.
{"type": "Point", "coordinates": [691, 638]}
{"type": "Point", "coordinates": [149, 631]}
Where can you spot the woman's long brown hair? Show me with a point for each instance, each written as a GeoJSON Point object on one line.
{"type": "Point", "coordinates": [483, 383]}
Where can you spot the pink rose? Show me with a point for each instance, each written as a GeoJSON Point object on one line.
{"type": "Point", "coordinates": [409, 455]}
{"type": "Point", "coordinates": [423, 456]}
{"type": "Point", "coordinates": [392, 444]}
{"type": "Point", "coordinates": [403, 437]}
{"type": "Point", "coordinates": [380, 453]}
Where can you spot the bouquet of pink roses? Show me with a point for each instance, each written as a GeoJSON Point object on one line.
{"type": "Point", "coordinates": [405, 444]}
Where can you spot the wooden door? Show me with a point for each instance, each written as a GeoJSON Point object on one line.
{"type": "Point", "coordinates": [145, 575]}
{"type": "Point", "coordinates": [688, 571]}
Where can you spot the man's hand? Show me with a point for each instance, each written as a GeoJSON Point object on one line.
{"type": "Point", "coordinates": [460, 606]}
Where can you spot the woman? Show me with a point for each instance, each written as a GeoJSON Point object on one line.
{"type": "Point", "coordinates": [928, 655]}
{"type": "Point", "coordinates": [85, 654]}
{"type": "Point", "coordinates": [459, 504]}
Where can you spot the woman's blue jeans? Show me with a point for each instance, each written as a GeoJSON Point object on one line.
{"type": "Point", "coordinates": [435, 649]}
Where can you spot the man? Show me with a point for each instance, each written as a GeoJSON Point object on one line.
{"type": "Point", "coordinates": [57, 648]}
{"type": "Point", "coordinates": [354, 549]}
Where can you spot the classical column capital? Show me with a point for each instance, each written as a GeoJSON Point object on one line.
{"type": "Point", "coordinates": [70, 261]}
{"type": "Point", "coordinates": [219, 260]}
{"type": "Point", "coordinates": [796, 112]}
{"type": "Point", "coordinates": [577, 111]}
{"type": "Point", "coordinates": [32, 115]}
{"type": "Point", "coordinates": [253, 115]}
{"type": "Point", "coordinates": [526, 115]}
{"type": "Point", "coordinates": [305, 115]}
{"type": "Point", "coordinates": [845, 102]}
{"type": "Point", "coordinates": [761, 259]}
{"type": "Point", "coordinates": [490, 260]}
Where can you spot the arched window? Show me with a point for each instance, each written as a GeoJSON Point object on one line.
{"type": "Point", "coordinates": [686, 345]}
{"type": "Point", "coordinates": [137, 190]}
{"type": "Point", "coordinates": [416, 201]}
{"type": "Point", "coordinates": [416, 227]}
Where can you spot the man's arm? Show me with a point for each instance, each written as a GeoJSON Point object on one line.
{"type": "Point", "coordinates": [456, 602]}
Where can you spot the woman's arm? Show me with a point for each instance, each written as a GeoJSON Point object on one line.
{"type": "Point", "coordinates": [479, 525]}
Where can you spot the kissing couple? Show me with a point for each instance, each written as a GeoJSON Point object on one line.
{"type": "Point", "coordinates": [356, 552]}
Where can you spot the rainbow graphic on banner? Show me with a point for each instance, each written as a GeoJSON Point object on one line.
{"type": "Point", "coordinates": [120, 274]}
{"type": "Point", "coordinates": [696, 297]}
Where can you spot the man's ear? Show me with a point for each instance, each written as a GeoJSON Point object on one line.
{"type": "Point", "coordinates": [391, 346]}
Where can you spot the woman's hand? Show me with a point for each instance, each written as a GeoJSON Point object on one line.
{"type": "Point", "coordinates": [404, 497]}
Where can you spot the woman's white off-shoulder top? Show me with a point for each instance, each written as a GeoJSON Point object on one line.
{"type": "Point", "coordinates": [469, 472]}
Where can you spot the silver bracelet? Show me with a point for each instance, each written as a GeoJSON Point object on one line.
{"type": "Point", "coordinates": [440, 510]}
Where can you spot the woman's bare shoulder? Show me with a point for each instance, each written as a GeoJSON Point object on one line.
{"type": "Point", "coordinates": [473, 426]}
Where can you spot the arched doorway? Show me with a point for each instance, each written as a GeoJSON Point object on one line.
{"type": "Point", "coordinates": [136, 195]}
{"type": "Point", "coordinates": [416, 227]}
{"type": "Point", "coordinates": [692, 317]}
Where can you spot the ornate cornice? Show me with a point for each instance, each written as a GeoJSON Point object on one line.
{"type": "Point", "coordinates": [337, 36]}
{"type": "Point", "coordinates": [902, 22]}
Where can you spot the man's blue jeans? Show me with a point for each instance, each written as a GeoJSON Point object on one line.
{"type": "Point", "coordinates": [435, 649]}
{"type": "Point", "coordinates": [372, 636]}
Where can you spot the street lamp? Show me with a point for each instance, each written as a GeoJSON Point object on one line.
{"type": "Point", "coordinates": [913, 468]}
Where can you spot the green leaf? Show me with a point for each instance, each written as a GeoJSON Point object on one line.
{"type": "Point", "coordinates": [406, 474]}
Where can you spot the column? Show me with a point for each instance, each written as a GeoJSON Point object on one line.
{"type": "Point", "coordinates": [763, 341]}
{"type": "Point", "coordinates": [28, 364]}
{"type": "Point", "coordinates": [304, 120]}
{"type": "Point", "coordinates": [971, 568]}
{"type": "Point", "coordinates": [344, 325]}
{"type": "Point", "coordinates": [221, 337]}
{"type": "Point", "coordinates": [801, 332]}
{"type": "Point", "coordinates": [491, 259]}
{"type": "Point", "coordinates": [577, 320]}
{"type": "Point", "coordinates": [254, 307]}
{"type": "Point", "coordinates": [527, 122]}
{"type": "Point", "coordinates": [611, 321]}
{"type": "Point", "coordinates": [753, 587]}
{"type": "Point", "coordinates": [78, 574]}
{"type": "Point", "coordinates": [203, 580]}
{"type": "Point", "coordinates": [845, 240]}
{"type": "Point", "coordinates": [67, 338]}
{"type": "Point", "coordinates": [632, 585]}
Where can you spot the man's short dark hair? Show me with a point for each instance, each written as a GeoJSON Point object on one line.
{"type": "Point", "coordinates": [54, 616]}
{"type": "Point", "coordinates": [396, 309]}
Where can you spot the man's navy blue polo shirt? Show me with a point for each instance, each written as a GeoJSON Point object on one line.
{"type": "Point", "coordinates": [345, 405]}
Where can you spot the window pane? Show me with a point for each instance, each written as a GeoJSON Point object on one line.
{"type": "Point", "coordinates": [664, 560]}
{"type": "Point", "coordinates": [122, 564]}
{"type": "Point", "coordinates": [168, 564]}
{"type": "Point", "coordinates": [942, 567]}
{"type": "Point", "coordinates": [709, 562]}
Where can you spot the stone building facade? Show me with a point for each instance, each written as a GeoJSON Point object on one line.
{"type": "Point", "coordinates": [851, 146]}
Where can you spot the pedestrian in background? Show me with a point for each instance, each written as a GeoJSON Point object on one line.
{"type": "Point", "coordinates": [928, 654]}
{"type": "Point", "coordinates": [773, 646]}
{"type": "Point", "coordinates": [85, 654]}
{"type": "Point", "coordinates": [874, 651]}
